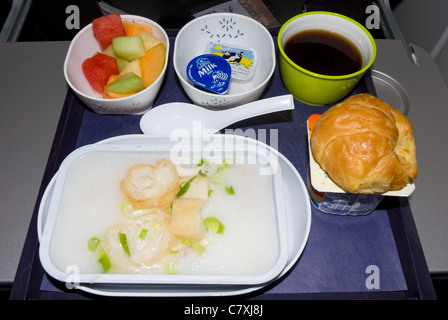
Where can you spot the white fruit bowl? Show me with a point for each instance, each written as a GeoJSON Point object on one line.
{"type": "Point", "coordinates": [228, 28]}
{"type": "Point", "coordinates": [84, 45]}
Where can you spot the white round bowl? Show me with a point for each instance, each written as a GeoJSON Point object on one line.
{"type": "Point", "coordinates": [84, 45]}
{"type": "Point", "coordinates": [233, 29]}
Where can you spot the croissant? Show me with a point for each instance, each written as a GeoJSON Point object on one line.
{"type": "Point", "coordinates": [365, 145]}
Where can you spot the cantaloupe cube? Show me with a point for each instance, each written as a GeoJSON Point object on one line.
{"type": "Point", "coordinates": [186, 220]}
{"type": "Point", "coordinates": [132, 28]}
{"type": "Point", "coordinates": [115, 95]}
{"type": "Point", "coordinates": [113, 78]}
{"type": "Point", "coordinates": [152, 64]}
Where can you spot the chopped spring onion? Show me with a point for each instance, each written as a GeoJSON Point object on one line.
{"type": "Point", "coordinates": [170, 267]}
{"type": "Point", "coordinates": [156, 226]}
{"type": "Point", "coordinates": [211, 223]}
{"type": "Point", "coordinates": [184, 187]}
{"type": "Point", "coordinates": [104, 261]}
{"type": "Point", "coordinates": [124, 242]}
{"type": "Point", "coordinates": [199, 248]}
{"type": "Point", "coordinates": [93, 243]}
{"type": "Point", "coordinates": [185, 242]}
{"type": "Point", "coordinates": [228, 162]}
{"type": "Point", "coordinates": [229, 190]}
{"type": "Point", "coordinates": [143, 233]}
{"type": "Point", "coordinates": [219, 177]}
{"type": "Point", "coordinates": [203, 161]}
{"type": "Point", "coordinates": [130, 212]}
{"type": "Point", "coordinates": [196, 246]}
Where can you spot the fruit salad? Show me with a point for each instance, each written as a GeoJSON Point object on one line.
{"type": "Point", "coordinates": [132, 58]}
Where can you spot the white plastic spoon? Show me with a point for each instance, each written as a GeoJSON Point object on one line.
{"type": "Point", "coordinates": [166, 118]}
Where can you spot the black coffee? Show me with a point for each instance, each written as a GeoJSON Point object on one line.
{"type": "Point", "coordinates": [324, 52]}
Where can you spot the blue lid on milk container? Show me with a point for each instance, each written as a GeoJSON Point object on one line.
{"type": "Point", "coordinates": [210, 72]}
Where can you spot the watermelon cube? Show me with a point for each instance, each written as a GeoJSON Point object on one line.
{"type": "Point", "coordinates": [106, 28]}
{"type": "Point", "coordinates": [98, 69]}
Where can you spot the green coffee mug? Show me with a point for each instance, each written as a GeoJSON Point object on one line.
{"type": "Point", "coordinates": [318, 89]}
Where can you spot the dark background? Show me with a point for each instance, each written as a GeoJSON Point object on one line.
{"type": "Point", "coordinates": [46, 19]}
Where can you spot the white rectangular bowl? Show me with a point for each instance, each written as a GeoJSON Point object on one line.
{"type": "Point", "coordinates": [166, 147]}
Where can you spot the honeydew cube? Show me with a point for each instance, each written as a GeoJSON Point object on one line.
{"type": "Point", "coordinates": [186, 220]}
{"type": "Point", "coordinates": [114, 95]}
{"type": "Point", "coordinates": [129, 47]}
{"type": "Point", "coordinates": [121, 63]}
{"type": "Point", "coordinates": [127, 83]}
